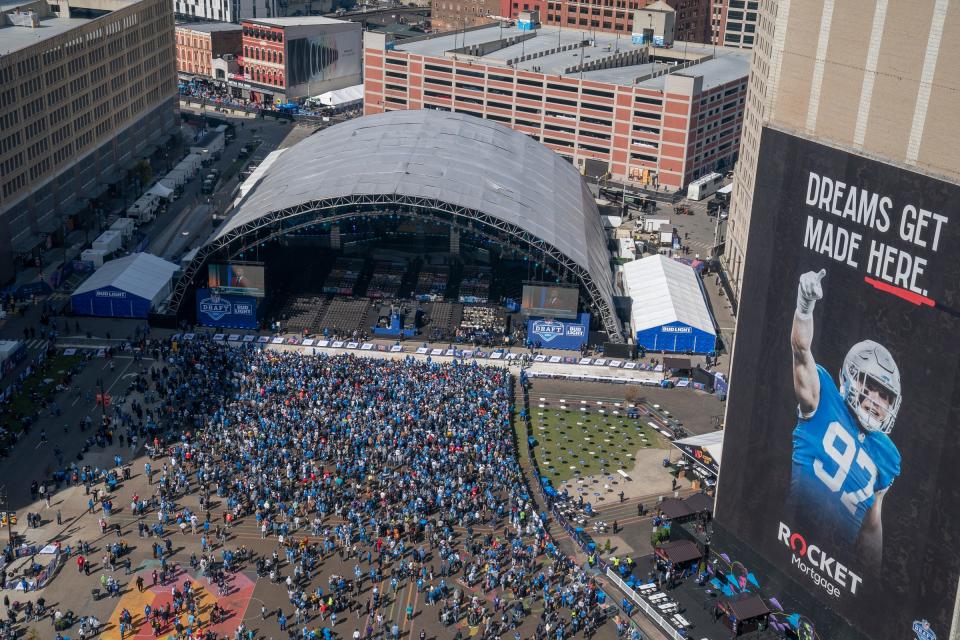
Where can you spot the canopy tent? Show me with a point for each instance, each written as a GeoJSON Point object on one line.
{"type": "Point", "coordinates": [340, 98]}
{"type": "Point", "coordinates": [675, 509]}
{"type": "Point", "coordinates": [743, 612]}
{"type": "Point", "coordinates": [677, 364]}
{"type": "Point", "coordinates": [679, 552]}
{"type": "Point", "coordinates": [705, 450]}
{"type": "Point", "coordinates": [699, 503]}
{"type": "Point", "coordinates": [668, 311]}
{"type": "Point", "coordinates": [160, 190]}
{"type": "Point", "coordinates": [124, 288]}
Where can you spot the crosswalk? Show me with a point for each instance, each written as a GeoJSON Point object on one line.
{"type": "Point", "coordinates": [36, 343]}
{"type": "Point", "coordinates": [59, 295]}
{"type": "Point", "coordinates": [700, 246]}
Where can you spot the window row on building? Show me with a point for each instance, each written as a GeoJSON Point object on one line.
{"type": "Point", "coordinates": [676, 133]}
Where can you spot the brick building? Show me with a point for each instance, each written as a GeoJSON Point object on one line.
{"type": "Point", "coordinates": [450, 15]}
{"type": "Point", "coordinates": [198, 43]}
{"type": "Point", "coordinates": [635, 112]}
{"type": "Point", "coordinates": [285, 59]}
{"type": "Point", "coordinates": [616, 16]}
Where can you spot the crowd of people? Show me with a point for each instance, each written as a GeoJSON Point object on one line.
{"type": "Point", "coordinates": [369, 479]}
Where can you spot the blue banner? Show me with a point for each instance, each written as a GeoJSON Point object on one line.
{"type": "Point", "coordinates": [215, 310]}
{"type": "Point", "coordinates": [550, 333]}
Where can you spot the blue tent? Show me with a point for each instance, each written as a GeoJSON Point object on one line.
{"type": "Point", "coordinates": [124, 288]}
{"type": "Point", "coordinates": [668, 308]}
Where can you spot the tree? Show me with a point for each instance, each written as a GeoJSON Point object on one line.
{"type": "Point", "coordinates": [659, 535]}
{"type": "Point", "coordinates": [144, 172]}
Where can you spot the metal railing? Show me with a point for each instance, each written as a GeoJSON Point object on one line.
{"type": "Point", "coordinates": [655, 616]}
{"type": "Point", "coordinates": [602, 565]}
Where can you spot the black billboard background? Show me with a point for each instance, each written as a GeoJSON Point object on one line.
{"type": "Point", "coordinates": [921, 512]}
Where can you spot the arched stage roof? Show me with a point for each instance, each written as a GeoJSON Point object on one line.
{"type": "Point", "coordinates": [472, 165]}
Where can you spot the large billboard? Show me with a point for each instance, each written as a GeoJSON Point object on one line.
{"type": "Point", "coordinates": [550, 302]}
{"type": "Point", "coordinates": [843, 421]}
{"type": "Point", "coordinates": [240, 278]}
{"type": "Point", "coordinates": [559, 334]}
{"type": "Point", "coordinates": [219, 310]}
{"type": "Point", "coordinates": [315, 62]}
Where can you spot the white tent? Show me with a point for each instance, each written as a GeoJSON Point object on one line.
{"type": "Point", "coordinates": [160, 190]}
{"type": "Point", "coordinates": [340, 97]}
{"type": "Point", "coordinates": [710, 444]}
{"type": "Point", "coordinates": [668, 311]}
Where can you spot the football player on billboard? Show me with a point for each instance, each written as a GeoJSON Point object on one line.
{"type": "Point", "coordinates": [844, 461]}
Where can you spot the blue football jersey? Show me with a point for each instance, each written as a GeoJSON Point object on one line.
{"type": "Point", "coordinates": [837, 466]}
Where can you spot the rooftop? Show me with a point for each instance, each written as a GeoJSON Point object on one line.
{"type": "Point", "coordinates": [13, 38]}
{"type": "Point", "coordinates": [557, 51]}
{"type": "Point", "coordinates": [294, 21]}
{"type": "Point", "coordinates": [208, 27]}
{"type": "Point", "coordinates": [458, 159]}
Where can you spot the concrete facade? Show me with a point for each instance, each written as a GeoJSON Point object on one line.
{"type": "Point", "coordinates": [660, 20]}
{"type": "Point", "coordinates": [236, 10]}
{"type": "Point", "coordinates": [617, 113]}
{"type": "Point", "coordinates": [80, 99]}
{"type": "Point", "coordinates": [199, 44]}
{"type": "Point", "coordinates": [877, 79]}
{"type": "Point", "coordinates": [733, 23]}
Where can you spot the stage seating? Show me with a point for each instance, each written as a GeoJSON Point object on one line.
{"type": "Point", "coordinates": [343, 276]}
{"type": "Point", "coordinates": [475, 285]}
{"type": "Point", "coordinates": [386, 279]}
{"type": "Point", "coordinates": [302, 313]}
{"type": "Point", "coordinates": [432, 283]}
{"type": "Point", "coordinates": [346, 315]}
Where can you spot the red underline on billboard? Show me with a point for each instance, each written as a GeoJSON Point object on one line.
{"type": "Point", "coordinates": [909, 296]}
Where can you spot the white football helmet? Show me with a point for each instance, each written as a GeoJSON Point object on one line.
{"type": "Point", "coordinates": [869, 367]}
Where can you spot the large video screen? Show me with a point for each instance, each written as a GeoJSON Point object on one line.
{"type": "Point", "coordinates": [840, 462]}
{"type": "Point", "coordinates": [315, 60]}
{"type": "Point", "coordinates": [550, 302]}
{"type": "Point", "coordinates": [239, 278]}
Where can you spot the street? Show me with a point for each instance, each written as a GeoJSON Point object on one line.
{"type": "Point", "coordinates": [187, 222]}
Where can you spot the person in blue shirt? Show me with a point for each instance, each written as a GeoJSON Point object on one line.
{"type": "Point", "coordinates": [844, 461]}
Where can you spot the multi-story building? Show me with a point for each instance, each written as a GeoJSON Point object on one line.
{"type": "Point", "coordinates": [733, 23]}
{"type": "Point", "coordinates": [200, 43]}
{"type": "Point", "coordinates": [692, 16]}
{"type": "Point", "coordinates": [287, 59]}
{"type": "Point", "coordinates": [237, 10]}
{"type": "Point", "coordinates": [85, 88]}
{"type": "Point", "coordinates": [856, 81]}
{"type": "Point", "coordinates": [450, 15]}
{"type": "Point", "coordinates": [652, 115]}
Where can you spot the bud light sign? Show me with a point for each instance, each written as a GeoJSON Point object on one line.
{"type": "Point", "coordinates": [215, 310]}
{"type": "Point", "coordinates": [558, 334]}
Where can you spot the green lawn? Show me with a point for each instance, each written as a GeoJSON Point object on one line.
{"type": "Point", "coordinates": [53, 368]}
{"type": "Point", "coordinates": [574, 444]}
